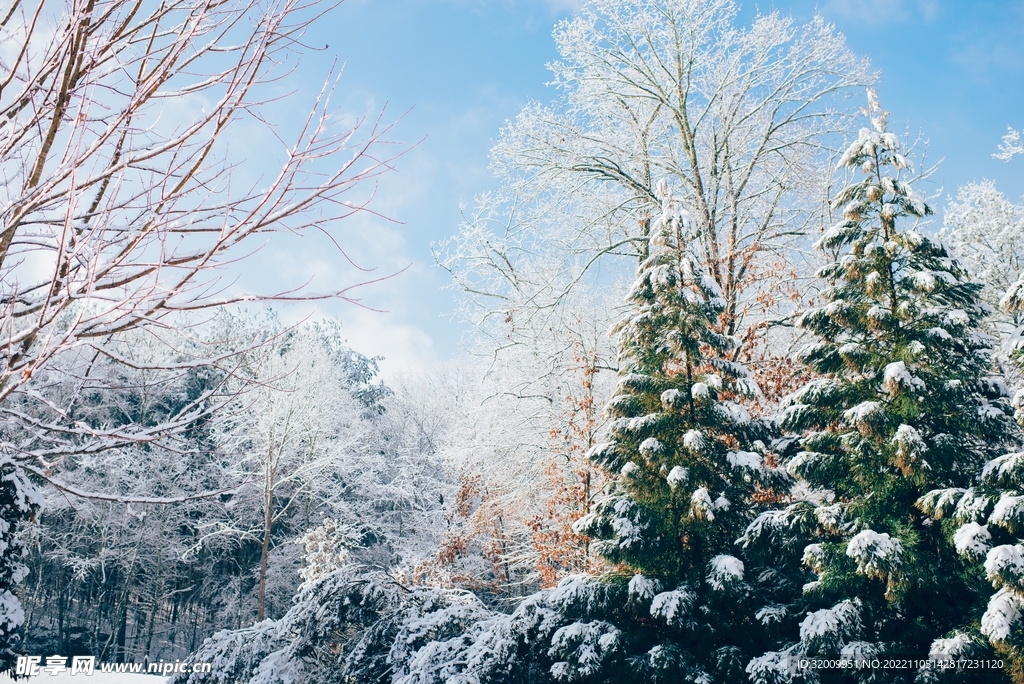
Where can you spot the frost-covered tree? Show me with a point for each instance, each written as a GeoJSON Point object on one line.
{"type": "Point", "coordinates": [737, 117]}
{"type": "Point", "coordinates": [904, 404]}
{"type": "Point", "coordinates": [294, 435]}
{"type": "Point", "coordinates": [986, 233]}
{"type": "Point", "coordinates": [1011, 145]}
{"type": "Point", "coordinates": [678, 605]}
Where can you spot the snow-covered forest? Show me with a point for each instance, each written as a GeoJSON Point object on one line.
{"type": "Point", "coordinates": [742, 397]}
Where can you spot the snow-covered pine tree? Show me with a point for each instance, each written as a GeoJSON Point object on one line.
{"type": "Point", "coordinates": [686, 461]}
{"type": "Point", "coordinates": [903, 404]}
{"type": "Point", "coordinates": [986, 525]}
{"type": "Point", "coordinates": [19, 503]}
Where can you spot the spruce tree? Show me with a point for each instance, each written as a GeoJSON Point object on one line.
{"type": "Point", "coordinates": [903, 403]}
{"type": "Point", "coordinates": [686, 460]}
{"type": "Point", "coordinates": [985, 523]}
{"type": "Point", "coordinates": [19, 504]}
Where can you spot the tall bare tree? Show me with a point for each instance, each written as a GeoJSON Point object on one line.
{"type": "Point", "coordinates": [737, 119]}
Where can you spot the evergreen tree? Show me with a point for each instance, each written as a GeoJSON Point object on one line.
{"type": "Point", "coordinates": [985, 523]}
{"type": "Point", "coordinates": [686, 460]}
{"type": "Point", "coordinates": [19, 504]}
{"type": "Point", "coordinates": [903, 404]}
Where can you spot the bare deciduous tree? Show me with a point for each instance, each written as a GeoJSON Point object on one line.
{"type": "Point", "coordinates": [736, 119]}
{"type": "Point", "coordinates": [125, 201]}
{"type": "Point", "coordinates": [1011, 145]}
{"type": "Point", "coordinates": [121, 202]}
{"type": "Point", "coordinates": [986, 232]}
{"type": "Point", "coordinates": [294, 438]}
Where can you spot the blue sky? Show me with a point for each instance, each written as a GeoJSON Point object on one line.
{"type": "Point", "coordinates": [457, 69]}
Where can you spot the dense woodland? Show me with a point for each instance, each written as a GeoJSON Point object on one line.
{"type": "Point", "coordinates": [738, 394]}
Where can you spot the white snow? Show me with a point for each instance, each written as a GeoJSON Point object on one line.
{"type": "Point", "coordinates": [1005, 469]}
{"type": "Point", "coordinates": [1008, 511]}
{"type": "Point", "coordinates": [733, 412]}
{"type": "Point", "coordinates": [575, 590]}
{"type": "Point", "coordinates": [725, 572]}
{"type": "Point", "coordinates": [671, 606]}
{"type": "Point", "coordinates": [957, 317]}
{"type": "Point", "coordinates": [651, 446]}
{"type": "Point", "coordinates": [669, 398]}
{"type": "Point", "coordinates": [773, 666]}
{"type": "Point", "coordinates": [989, 411]}
{"type": "Point", "coordinates": [600, 451]}
{"type": "Point", "coordinates": [840, 618]}
{"type": "Point", "coordinates": [744, 459]}
{"type": "Point", "coordinates": [1005, 564]}
{"type": "Point", "coordinates": [830, 517]}
{"type": "Point", "coordinates": [589, 642]}
{"type": "Point", "coordinates": [700, 504]}
{"type": "Point", "coordinates": [771, 614]}
{"type": "Point", "coordinates": [1004, 611]}
{"type": "Point", "coordinates": [630, 468]}
{"type": "Point", "coordinates": [699, 391]}
{"type": "Point", "coordinates": [972, 539]}
{"type": "Point", "coordinates": [863, 412]}
{"type": "Point", "coordinates": [813, 557]}
{"type": "Point", "coordinates": [959, 646]}
{"type": "Point", "coordinates": [877, 554]}
{"type": "Point", "coordinates": [677, 476]}
{"type": "Point", "coordinates": [641, 423]}
{"type": "Point", "coordinates": [972, 505]}
{"type": "Point", "coordinates": [924, 280]}
{"type": "Point", "coordinates": [897, 376]}
{"type": "Point", "coordinates": [765, 523]}
{"type": "Point", "coordinates": [627, 530]}
{"type": "Point", "coordinates": [849, 349]}
{"type": "Point", "coordinates": [938, 502]}
{"type": "Point", "coordinates": [642, 587]}
{"type": "Point", "coordinates": [878, 313]}
{"type": "Point", "coordinates": [909, 439]}
{"type": "Point", "coordinates": [694, 441]}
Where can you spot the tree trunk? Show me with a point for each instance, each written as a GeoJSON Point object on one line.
{"type": "Point", "coordinates": [122, 632]}
{"type": "Point", "coordinates": [261, 611]}
{"type": "Point", "coordinates": [268, 522]}
{"type": "Point", "coordinates": [155, 604]}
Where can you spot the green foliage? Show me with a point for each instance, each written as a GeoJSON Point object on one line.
{"type": "Point", "coordinates": [685, 456]}
{"type": "Point", "coordinates": [686, 463]}
{"type": "Point", "coordinates": [903, 403]}
{"type": "Point", "coordinates": [19, 503]}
